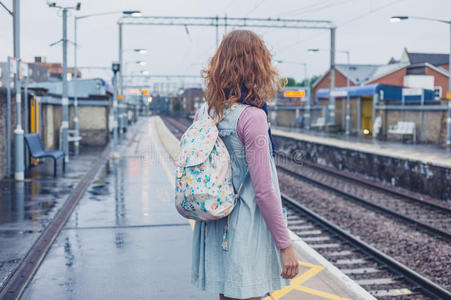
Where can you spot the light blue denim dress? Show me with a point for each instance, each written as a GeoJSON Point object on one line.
{"type": "Point", "coordinates": [250, 265]}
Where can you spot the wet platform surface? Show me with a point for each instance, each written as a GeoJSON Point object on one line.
{"type": "Point", "coordinates": [125, 239]}
{"type": "Point", "coordinates": [26, 208]}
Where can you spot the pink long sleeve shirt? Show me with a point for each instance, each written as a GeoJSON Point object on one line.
{"type": "Point", "coordinates": [252, 130]}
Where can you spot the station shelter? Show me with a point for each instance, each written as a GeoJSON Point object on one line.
{"type": "Point", "coordinates": [363, 102]}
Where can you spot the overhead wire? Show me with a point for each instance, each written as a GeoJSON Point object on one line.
{"type": "Point", "coordinates": [340, 25]}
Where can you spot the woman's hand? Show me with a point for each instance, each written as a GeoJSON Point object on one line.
{"type": "Point", "coordinates": [289, 262]}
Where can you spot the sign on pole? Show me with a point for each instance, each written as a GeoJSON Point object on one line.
{"type": "Point", "coordinates": [336, 93]}
{"type": "Point", "coordinates": [12, 65]}
{"type": "Point", "coordinates": [294, 94]}
{"type": "Point", "coordinates": [412, 92]}
{"type": "Point", "coordinates": [23, 70]}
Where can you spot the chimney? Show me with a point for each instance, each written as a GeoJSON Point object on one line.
{"type": "Point", "coordinates": [39, 59]}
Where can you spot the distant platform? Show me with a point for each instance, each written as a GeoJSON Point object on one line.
{"type": "Point", "coordinates": [425, 153]}
{"type": "Point", "coordinates": [421, 169]}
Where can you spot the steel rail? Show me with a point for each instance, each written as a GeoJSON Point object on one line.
{"type": "Point", "coordinates": [443, 234]}
{"type": "Point", "coordinates": [395, 266]}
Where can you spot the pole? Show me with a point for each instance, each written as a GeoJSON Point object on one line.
{"type": "Point", "coordinates": [65, 99]}
{"type": "Point", "coordinates": [75, 83]}
{"type": "Point", "coordinates": [225, 24]}
{"type": "Point", "coordinates": [120, 60]}
{"type": "Point", "coordinates": [403, 100]}
{"type": "Point", "coordinates": [8, 120]}
{"type": "Point", "coordinates": [348, 100]}
{"type": "Point", "coordinates": [217, 34]}
{"type": "Point", "coordinates": [121, 75]}
{"type": "Point", "coordinates": [307, 111]}
{"type": "Point", "coordinates": [332, 78]}
{"type": "Point", "coordinates": [359, 115]}
{"type": "Point", "coordinates": [422, 116]}
{"type": "Point", "coordinates": [25, 114]}
{"type": "Point", "coordinates": [448, 120]}
{"type": "Point", "coordinates": [18, 132]}
{"type": "Point", "coordinates": [115, 122]}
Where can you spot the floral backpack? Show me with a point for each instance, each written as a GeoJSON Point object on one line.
{"type": "Point", "coordinates": [204, 189]}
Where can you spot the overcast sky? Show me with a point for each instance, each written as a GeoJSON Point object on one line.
{"type": "Point", "coordinates": [363, 28]}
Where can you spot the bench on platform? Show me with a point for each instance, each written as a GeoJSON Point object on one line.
{"type": "Point", "coordinates": [34, 143]}
{"type": "Point", "coordinates": [320, 122]}
{"type": "Point", "coordinates": [298, 122]}
{"type": "Point", "coordinates": [72, 136]}
{"type": "Point", "coordinates": [404, 128]}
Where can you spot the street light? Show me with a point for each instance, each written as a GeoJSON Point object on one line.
{"type": "Point", "coordinates": [133, 13]}
{"type": "Point", "coordinates": [397, 19]}
{"type": "Point", "coordinates": [308, 106]}
{"type": "Point", "coordinates": [145, 72]}
{"type": "Point", "coordinates": [348, 102]}
{"type": "Point", "coordinates": [76, 19]}
{"type": "Point", "coordinates": [140, 51]}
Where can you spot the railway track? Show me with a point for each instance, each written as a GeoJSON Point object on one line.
{"type": "Point", "coordinates": [382, 275]}
{"type": "Point", "coordinates": [423, 215]}
{"type": "Point", "coordinates": [377, 272]}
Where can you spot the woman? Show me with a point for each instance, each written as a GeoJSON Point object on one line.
{"type": "Point", "coordinates": [248, 254]}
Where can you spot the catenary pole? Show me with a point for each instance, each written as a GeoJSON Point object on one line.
{"type": "Point", "coordinates": [308, 91]}
{"type": "Point", "coordinates": [65, 98]}
{"type": "Point", "coordinates": [8, 119]}
{"type": "Point", "coordinates": [331, 106]}
{"type": "Point", "coordinates": [18, 132]}
{"type": "Point", "coordinates": [75, 85]}
{"type": "Point", "coordinates": [348, 100]}
{"type": "Point", "coordinates": [448, 120]}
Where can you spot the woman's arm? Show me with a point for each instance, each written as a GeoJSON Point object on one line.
{"type": "Point", "coordinates": [252, 130]}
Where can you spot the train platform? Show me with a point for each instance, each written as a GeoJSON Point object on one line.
{"type": "Point", "coordinates": [123, 238]}
{"type": "Point", "coordinates": [426, 153]}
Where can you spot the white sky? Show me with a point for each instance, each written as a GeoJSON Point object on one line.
{"type": "Point", "coordinates": [363, 28]}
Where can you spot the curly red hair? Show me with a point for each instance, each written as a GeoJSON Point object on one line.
{"type": "Point", "coordinates": [242, 60]}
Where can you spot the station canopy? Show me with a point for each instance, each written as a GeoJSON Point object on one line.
{"type": "Point", "coordinates": [385, 92]}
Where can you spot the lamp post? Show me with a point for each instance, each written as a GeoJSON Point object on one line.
{"type": "Point", "coordinates": [348, 102]}
{"type": "Point", "coordinates": [115, 68]}
{"type": "Point", "coordinates": [19, 154]}
{"type": "Point", "coordinates": [397, 19]}
{"type": "Point", "coordinates": [132, 13]}
{"type": "Point", "coordinates": [76, 19]}
{"type": "Point", "coordinates": [308, 106]}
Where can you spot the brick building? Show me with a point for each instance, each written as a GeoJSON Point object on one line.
{"type": "Point", "coordinates": [416, 70]}
{"type": "Point", "coordinates": [55, 70]}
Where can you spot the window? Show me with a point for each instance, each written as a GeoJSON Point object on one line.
{"type": "Point", "coordinates": [437, 92]}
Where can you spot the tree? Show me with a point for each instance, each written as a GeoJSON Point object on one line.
{"type": "Point", "coordinates": [311, 80]}
{"type": "Point", "coordinates": [291, 81]}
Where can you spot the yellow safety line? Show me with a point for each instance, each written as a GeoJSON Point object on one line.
{"type": "Point", "coordinates": [319, 293]}
{"type": "Point", "coordinates": [295, 284]}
